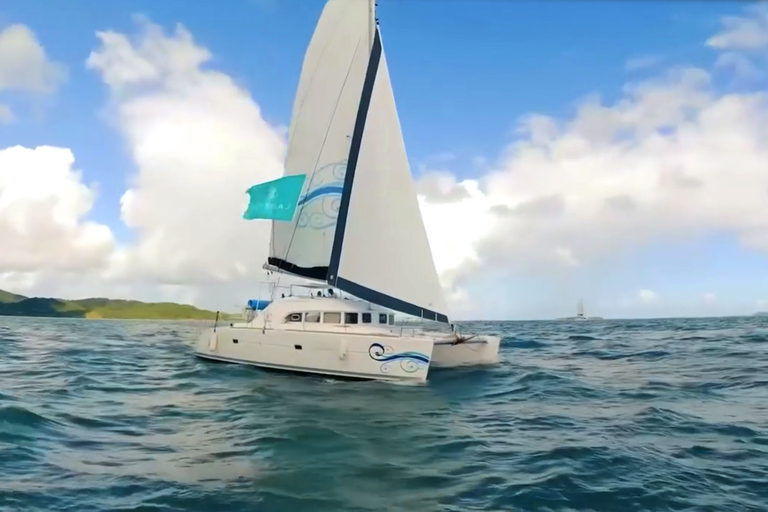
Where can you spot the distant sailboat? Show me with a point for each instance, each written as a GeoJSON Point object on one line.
{"type": "Point", "coordinates": [580, 314]}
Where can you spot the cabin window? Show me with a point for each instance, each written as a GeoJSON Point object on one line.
{"type": "Point", "coordinates": [391, 319]}
{"type": "Point", "coordinates": [331, 318]}
{"type": "Point", "coordinates": [382, 318]}
{"type": "Point", "coordinates": [350, 318]}
{"type": "Point", "coordinates": [293, 317]}
{"type": "Point", "coordinates": [366, 318]}
{"type": "Point", "coordinates": [313, 317]}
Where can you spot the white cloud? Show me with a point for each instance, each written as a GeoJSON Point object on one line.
{"type": "Point", "coordinates": [647, 296]}
{"type": "Point", "coordinates": [746, 32]}
{"type": "Point", "coordinates": [710, 298]}
{"type": "Point", "coordinates": [198, 141]}
{"type": "Point", "coordinates": [25, 67]}
{"type": "Point", "coordinates": [42, 209]}
{"type": "Point", "coordinates": [671, 160]}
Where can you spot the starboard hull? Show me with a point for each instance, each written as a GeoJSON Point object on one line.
{"type": "Point", "coordinates": [478, 351]}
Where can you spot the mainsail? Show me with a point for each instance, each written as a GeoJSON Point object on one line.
{"type": "Point", "coordinates": [358, 224]}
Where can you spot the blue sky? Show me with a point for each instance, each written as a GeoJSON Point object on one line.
{"type": "Point", "coordinates": [464, 73]}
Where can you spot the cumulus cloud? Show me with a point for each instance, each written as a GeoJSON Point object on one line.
{"type": "Point", "coordinates": [25, 67]}
{"type": "Point", "coordinates": [198, 141]}
{"type": "Point", "coordinates": [742, 43]}
{"type": "Point", "coordinates": [671, 160]}
{"type": "Point", "coordinates": [747, 32]}
{"type": "Point", "coordinates": [42, 208]}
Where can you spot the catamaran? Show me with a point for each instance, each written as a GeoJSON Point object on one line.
{"type": "Point", "coordinates": [346, 219]}
{"type": "Point", "coordinates": [580, 314]}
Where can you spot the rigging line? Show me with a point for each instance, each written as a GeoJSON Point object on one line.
{"type": "Point", "coordinates": [325, 139]}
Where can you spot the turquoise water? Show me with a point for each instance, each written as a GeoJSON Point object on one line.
{"type": "Point", "coordinates": [664, 415]}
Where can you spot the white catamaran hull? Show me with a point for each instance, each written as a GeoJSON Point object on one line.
{"type": "Point", "coordinates": [391, 358]}
{"type": "Point", "coordinates": [482, 351]}
{"type": "Point", "coordinates": [364, 357]}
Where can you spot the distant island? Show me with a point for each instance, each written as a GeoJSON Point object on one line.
{"type": "Point", "coordinates": [760, 313]}
{"type": "Point", "coordinates": [12, 304]}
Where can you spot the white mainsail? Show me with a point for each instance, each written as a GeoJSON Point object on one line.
{"type": "Point", "coordinates": [359, 225]}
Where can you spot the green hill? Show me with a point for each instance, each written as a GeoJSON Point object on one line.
{"type": "Point", "coordinates": [6, 297]}
{"type": "Point", "coordinates": [12, 304]}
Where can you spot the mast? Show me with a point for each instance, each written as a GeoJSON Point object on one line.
{"type": "Point", "coordinates": [371, 21]}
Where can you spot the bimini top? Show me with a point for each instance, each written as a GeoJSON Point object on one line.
{"type": "Point", "coordinates": [258, 304]}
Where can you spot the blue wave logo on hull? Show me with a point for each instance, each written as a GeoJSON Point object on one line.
{"type": "Point", "coordinates": [409, 361]}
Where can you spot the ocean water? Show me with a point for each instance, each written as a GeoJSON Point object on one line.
{"type": "Point", "coordinates": [622, 416]}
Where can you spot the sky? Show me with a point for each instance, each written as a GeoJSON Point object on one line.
{"type": "Point", "coordinates": [611, 151]}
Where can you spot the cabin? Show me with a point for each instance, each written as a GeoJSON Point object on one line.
{"type": "Point", "coordinates": [316, 312]}
{"type": "Point", "coordinates": [340, 318]}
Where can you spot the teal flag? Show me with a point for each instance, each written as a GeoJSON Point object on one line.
{"type": "Point", "coordinates": [276, 199]}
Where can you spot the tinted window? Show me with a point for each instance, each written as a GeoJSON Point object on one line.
{"type": "Point", "coordinates": [366, 318]}
{"type": "Point", "coordinates": [331, 318]}
{"type": "Point", "coordinates": [382, 318]}
{"type": "Point", "coordinates": [350, 318]}
{"type": "Point", "coordinates": [312, 317]}
{"type": "Point", "coordinates": [391, 319]}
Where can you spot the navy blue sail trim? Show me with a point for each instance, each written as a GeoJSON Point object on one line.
{"type": "Point", "coordinates": [318, 273]}
{"type": "Point", "coordinates": [332, 277]}
{"type": "Point", "coordinates": [354, 154]}
{"type": "Point", "coordinates": [389, 302]}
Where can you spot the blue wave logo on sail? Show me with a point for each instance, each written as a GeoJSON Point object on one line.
{"type": "Point", "coordinates": [320, 192]}
{"type": "Point", "coordinates": [409, 361]}
{"type": "Point", "coordinates": [319, 207]}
